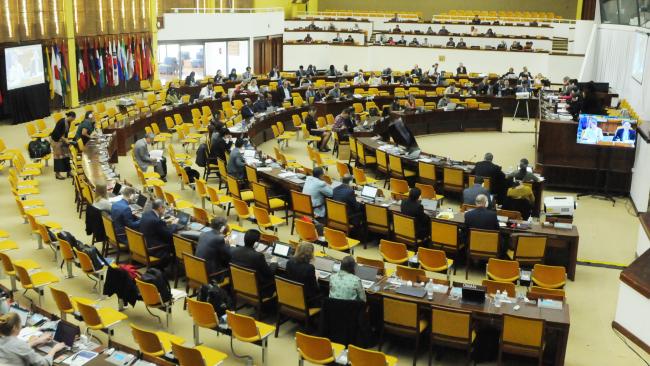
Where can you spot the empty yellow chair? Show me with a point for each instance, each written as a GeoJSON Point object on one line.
{"type": "Point", "coordinates": [103, 319]}
{"type": "Point", "coordinates": [434, 260]}
{"type": "Point", "coordinates": [317, 350]}
{"type": "Point", "coordinates": [394, 252]}
{"type": "Point", "coordinates": [551, 277]}
{"type": "Point", "coordinates": [246, 329]}
{"type": "Point", "coordinates": [364, 357]}
{"type": "Point", "coordinates": [155, 344]}
{"type": "Point", "coordinates": [34, 281]}
{"type": "Point", "coordinates": [197, 356]}
{"type": "Point", "coordinates": [502, 270]}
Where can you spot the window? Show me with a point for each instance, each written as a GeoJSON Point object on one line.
{"type": "Point", "coordinates": [192, 60]}
{"type": "Point", "coordinates": [168, 65]}
{"type": "Point", "coordinates": [216, 58]}
{"type": "Point", "coordinates": [237, 56]}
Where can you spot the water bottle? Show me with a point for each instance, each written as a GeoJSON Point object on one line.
{"type": "Point", "coordinates": [429, 287]}
{"type": "Point", "coordinates": [497, 299]}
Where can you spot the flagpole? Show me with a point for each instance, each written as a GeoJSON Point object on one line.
{"type": "Point", "coordinates": [73, 96]}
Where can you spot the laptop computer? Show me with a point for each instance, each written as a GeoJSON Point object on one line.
{"type": "Point", "coordinates": [65, 332]}
{"type": "Point", "coordinates": [183, 219]}
{"type": "Point", "coordinates": [324, 267]}
{"type": "Point", "coordinates": [418, 292]}
{"type": "Point", "coordinates": [237, 238]}
{"type": "Point", "coordinates": [369, 192]}
{"type": "Point", "coordinates": [367, 274]}
{"type": "Point", "coordinates": [139, 203]}
{"type": "Point", "coordinates": [473, 294]}
{"type": "Point", "coordinates": [430, 205]}
{"type": "Point", "coordinates": [283, 252]}
{"type": "Point", "coordinates": [117, 188]}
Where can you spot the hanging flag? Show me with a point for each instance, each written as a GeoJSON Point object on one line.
{"type": "Point", "coordinates": [122, 60]}
{"type": "Point", "coordinates": [56, 74]}
{"type": "Point", "coordinates": [152, 63]}
{"type": "Point", "coordinates": [48, 66]}
{"type": "Point", "coordinates": [62, 62]}
{"type": "Point", "coordinates": [86, 63]}
{"type": "Point", "coordinates": [131, 61]}
{"type": "Point", "coordinates": [138, 62]}
{"type": "Point", "coordinates": [99, 57]}
{"type": "Point", "coordinates": [116, 74]}
{"type": "Point", "coordinates": [81, 74]}
{"type": "Point", "coordinates": [108, 64]}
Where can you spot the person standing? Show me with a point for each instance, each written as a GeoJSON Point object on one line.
{"type": "Point", "coordinates": [59, 142]}
{"type": "Point", "coordinates": [85, 128]}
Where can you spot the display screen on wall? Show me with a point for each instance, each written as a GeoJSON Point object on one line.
{"type": "Point", "coordinates": [638, 63]}
{"type": "Point", "coordinates": [24, 66]}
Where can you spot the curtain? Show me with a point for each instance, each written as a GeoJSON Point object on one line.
{"type": "Point", "coordinates": [612, 62]}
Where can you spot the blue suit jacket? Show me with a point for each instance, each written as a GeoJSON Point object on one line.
{"type": "Point", "coordinates": [123, 217]}
{"type": "Point", "coordinates": [344, 193]}
{"type": "Point", "coordinates": [619, 135]}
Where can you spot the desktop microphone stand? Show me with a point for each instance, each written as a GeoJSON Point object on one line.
{"type": "Point", "coordinates": [604, 192]}
{"type": "Point", "coordinates": [519, 100]}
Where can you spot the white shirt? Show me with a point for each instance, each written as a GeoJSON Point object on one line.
{"type": "Point", "coordinates": [358, 80]}
{"type": "Point", "coordinates": [205, 92]}
{"type": "Point", "coordinates": [287, 94]}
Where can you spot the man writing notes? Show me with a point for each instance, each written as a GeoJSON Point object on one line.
{"type": "Point", "coordinates": [144, 159]}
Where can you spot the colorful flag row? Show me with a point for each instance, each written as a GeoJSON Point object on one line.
{"type": "Point", "coordinates": [108, 61]}
{"type": "Point", "coordinates": [56, 59]}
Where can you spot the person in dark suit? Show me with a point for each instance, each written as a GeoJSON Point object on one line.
{"type": "Point", "coordinates": [481, 217]}
{"type": "Point", "coordinates": [461, 69]}
{"type": "Point", "coordinates": [189, 80]}
{"type": "Point", "coordinates": [237, 164]}
{"type": "Point", "coordinates": [261, 104]}
{"type": "Point", "coordinates": [344, 193]}
{"type": "Point", "coordinates": [301, 72]}
{"type": "Point", "coordinates": [212, 246]}
{"type": "Point", "coordinates": [413, 208]}
{"type": "Point", "coordinates": [247, 110]}
{"type": "Point", "coordinates": [470, 193]}
{"type": "Point", "coordinates": [625, 133]}
{"type": "Point", "coordinates": [300, 269]}
{"type": "Point", "coordinates": [221, 144]}
{"type": "Point", "coordinates": [488, 169]}
{"type": "Point", "coordinates": [247, 257]}
{"type": "Point", "coordinates": [122, 216]}
{"type": "Point", "coordinates": [157, 234]}
{"type": "Point", "coordinates": [313, 129]}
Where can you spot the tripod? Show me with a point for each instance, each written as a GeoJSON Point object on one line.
{"type": "Point", "coordinates": [602, 193]}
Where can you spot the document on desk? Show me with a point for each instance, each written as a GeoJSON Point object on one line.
{"type": "Point", "coordinates": [80, 358]}
{"type": "Point", "coordinates": [156, 154]}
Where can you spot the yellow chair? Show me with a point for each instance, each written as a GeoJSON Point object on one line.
{"type": "Point", "coordinates": [399, 189]}
{"type": "Point", "coordinates": [522, 336]}
{"type": "Point", "coordinates": [492, 287]}
{"type": "Point", "coordinates": [243, 213]}
{"type": "Point", "coordinates": [246, 288]}
{"type": "Point", "coordinates": [403, 318]}
{"type": "Point", "coordinates": [362, 158]}
{"type": "Point", "coordinates": [103, 319]}
{"type": "Point", "coordinates": [87, 267]}
{"type": "Point", "coordinates": [154, 344]}
{"type": "Point", "coordinates": [529, 249]}
{"type": "Point", "coordinates": [452, 327]}
{"type": "Point", "coordinates": [67, 255]}
{"type": "Point", "coordinates": [301, 206]}
{"type": "Point", "coordinates": [377, 220]}
{"type": "Point", "coordinates": [453, 180]}
{"type": "Point", "coordinates": [306, 231]}
{"type": "Point", "coordinates": [429, 193]}
{"type": "Point", "coordinates": [138, 249]}
{"type": "Point", "coordinates": [66, 304]}
{"type": "Point", "coordinates": [404, 230]}
{"type": "Point", "coordinates": [536, 292]}
{"type": "Point", "coordinates": [317, 350]}
{"type": "Point", "coordinates": [502, 270]}
{"type": "Point", "coordinates": [292, 303]}
{"type": "Point", "coordinates": [445, 235]}
{"type": "Point", "coordinates": [152, 299]}
{"type": "Point", "coordinates": [337, 215]}
{"type": "Point", "coordinates": [203, 316]}
{"type": "Point", "coordinates": [201, 216]}
{"type": "Point", "coordinates": [178, 204]}
{"type": "Point", "coordinates": [266, 220]}
{"type": "Point", "coordinates": [34, 281]}
{"type": "Point", "coordinates": [551, 277]}
{"type": "Point", "coordinates": [396, 169]}
{"type": "Point", "coordinates": [337, 240]}
{"type": "Point", "coordinates": [364, 357]}
{"type": "Point", "coordinates": [434, 260]}
{"type": "Point", "coordinates": [262, 199]}
{"type": "Point", "coordinates": [111, 238]}
{"type": "Point", "coordinates": [483, 244]}
{"type": "Point", "coordinates": [10, 270]}
{"type": "Point", "coordinates": [216, 199]}
{"type": "Point", "coordinates": [247, 329]}
{"type": "Point", "coordinates": [234, 191]}
{"type": "Point", "coordinates": [197, 356]}
{"type": "Point", "coordinates": [197, 274]}
{"type": "Point", "coordinates": [360, 177]}
{"type": "Point", "coordinates": [394, 252]}
{"type": "Point", "coordinates": [410, 274]}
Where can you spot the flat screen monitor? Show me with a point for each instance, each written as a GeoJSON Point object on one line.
{"type": "Point", "coordinates": [594, 129]}
{"type": "Point", "coordinates": [24, 66]}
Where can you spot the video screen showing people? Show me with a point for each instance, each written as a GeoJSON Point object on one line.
{"type": "Point", "coordinates": [606, 130]}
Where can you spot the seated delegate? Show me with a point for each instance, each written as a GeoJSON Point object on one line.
{"type": "Point", "coordinates": [344, 284]}
{"type": "Point", "coordinates": [301, 270]}
{"type": "Point", "coordinates": [157, 232]}
{"type": "Point", "coordinates": [247, 257]}
{"type": "Point", "coordinates": [14, 351]}
{"type": "Point", "coordinates": [481, 217]}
